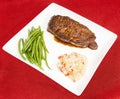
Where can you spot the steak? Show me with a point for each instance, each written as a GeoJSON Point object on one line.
{"type": "Point", "coordinates": [71, 31]}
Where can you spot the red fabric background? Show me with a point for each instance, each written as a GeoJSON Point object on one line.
{"type": "Point", "coordinates": [19, 81]}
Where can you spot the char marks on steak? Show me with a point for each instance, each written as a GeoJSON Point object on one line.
{"type": "Point", "coordinates": [71, 31]}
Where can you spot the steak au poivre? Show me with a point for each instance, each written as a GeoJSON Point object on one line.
{"type": "Point", "coordinates": [71, 31]}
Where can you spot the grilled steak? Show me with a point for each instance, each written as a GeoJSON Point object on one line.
{"type": "Point", "coordinates": [71, 31]}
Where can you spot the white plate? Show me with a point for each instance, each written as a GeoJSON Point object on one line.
{"type": "Point", "coordinates": [104, 39]}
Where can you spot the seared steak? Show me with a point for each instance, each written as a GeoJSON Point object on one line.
{"type": "Point", "coordinates": [71, 31]}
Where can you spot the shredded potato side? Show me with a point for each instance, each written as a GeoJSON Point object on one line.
{"type": "Point", "coordinates": [72, 65]}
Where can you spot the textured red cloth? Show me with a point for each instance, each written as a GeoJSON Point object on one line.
{"type": "Point", "coordinates": [20, 81]}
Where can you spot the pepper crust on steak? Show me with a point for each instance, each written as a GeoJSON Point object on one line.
{"type": "Point", "coordinates": [71, 31]}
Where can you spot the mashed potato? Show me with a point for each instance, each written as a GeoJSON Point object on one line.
{"type": "Point", "coordinates": [72, 65]}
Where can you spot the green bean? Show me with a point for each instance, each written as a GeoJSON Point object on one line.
{"type": "Point", "coordinates": [19, 47]}
{"type": "Point", "coordinates": [46, 58]}
{"type": "Point", "coordinates": [36, 51]}
{"type": "Point", "coordinates": [28, 57]}
{"type": "Point", "coordinates": [43, 42]}
{"type": "Point", "coordinates": [40, 50]}
{"type": "Point", "coordinates": [33, 48]}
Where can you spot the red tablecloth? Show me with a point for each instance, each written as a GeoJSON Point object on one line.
{"type": "Point", "coordinates": [20, 81]}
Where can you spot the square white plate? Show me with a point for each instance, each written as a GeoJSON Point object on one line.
{"type": "Point", "coordinates": [104, 39]}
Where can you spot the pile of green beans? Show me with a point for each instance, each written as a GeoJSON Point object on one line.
{"type": "Point", "coordinates": [33, 48]}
